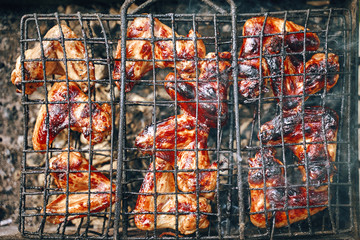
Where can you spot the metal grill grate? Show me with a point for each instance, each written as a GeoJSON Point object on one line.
{"type": "Point", "coordinates": [230, 146]}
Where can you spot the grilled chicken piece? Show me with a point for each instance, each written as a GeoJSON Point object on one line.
{"type": "Point", "coordinates": [319, 71]}
{"type": "Point", "coordinates": [250, 78]}
{"type": "Point", "coordinates": [78, 180]}
{"type": "Point", "coordinates": [272, 44]}
{"type": "Point", "coordinates": [76, 114]}
{"type": "Point", "coordinates": [166, 202]}
{"type": "Point", "coordinates": [75, 54]}
{"type": "Point", "coordinates": [320, 128]}
{"type": "Point", "coordinates": [209, 69]}
{"type": "Point", "coordinates": [181, 133]}
{"type": "Point", "coordinates": [210, 93]}
{"type": "Point", "coordinates": [249, 54]}
{"type": "Point", "coordinates": [277, 201]}
{"type": "Point", "coordinates": [139, 52]}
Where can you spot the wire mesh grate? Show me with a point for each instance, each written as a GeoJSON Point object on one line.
{"type": "Point", "coordinates": [230, 146]}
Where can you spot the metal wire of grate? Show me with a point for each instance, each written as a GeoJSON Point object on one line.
{"type": "Point", "coordinates": [229, 146]}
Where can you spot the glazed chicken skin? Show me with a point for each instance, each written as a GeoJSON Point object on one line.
{"type": "Point", "coordinates": [319, 70]}
{"type": "Point", "coordinates": [76, 115]}
{"type": "Point", "coordinates": [211, 90]}
{"type": "Point", "coordinates": [75, 52]}
{"type": "Point", "coordinates": [272, 44]}
{"type": "Point", "coordinates": [250, 77]}
{"type": "Point", "coordinates": [320, 128]}
{"type": "Point", "coordinates": [78, 180]}
{"type": "Point", "coordinates": [276, 196]}
{"type": "Point", "coordinates": [249, 54]}
{"type": "Point", "coordinates": [209, 69]}
{"type": "Point", "coordinates": [139, 52]}
{"type": "Point", "coordinates": [180, 133]}
{"type": "Point", "coordinates": [166, 202]}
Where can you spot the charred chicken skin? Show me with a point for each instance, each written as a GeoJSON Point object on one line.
{"type": "Point", "coordinates": [210, 93]}
{"type": "Point", "coordinates": [75, 52]}
{"type": "Point", "coordinates": [249, 75]}
{"type": "Point", "coordinates": [278, 201]}
{"type": "Point", "coordinates": [78, 180]}
{"type": "Point", "coordinates": [75, 114]}
{"type": "Point", "coordinates": [272, 44]}
{"type": "Point", "coordinates": [139, 52]}
{"type": "Point", "coordinates": [319, 70]}
{"type": "Point", "coordinates": [249, 63]}
{"type": "Point", "coordinates": [166, 202]}
{"type": "Point", "coordinates": [181, 133]}
{"type": "Point", "coordinates": [320, 128]}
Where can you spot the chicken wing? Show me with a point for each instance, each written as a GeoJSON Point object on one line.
{"type": "Point", "coordinates": [277, 203]}
{"type": "Point", "coordinates": [318, 151]}
{"type": "Point", "coordinates": [319, 70]}
{"type": "Point", "coordinates": [166, 203]}
{"type": "Point", "coordinates": [272, 42]}
{"type": "Point", "coordinates": [210, 94]}
{"type": "Point", "coordinates": [139, 52]}
{"type": "Point", "coordinates": [54, 57]}
{"type": "Point", "coordinates": [181, 133]}
{"type": "Point", "coordinates": [77, 178]}
{"type": "Point", "coordinates": [76, 113]}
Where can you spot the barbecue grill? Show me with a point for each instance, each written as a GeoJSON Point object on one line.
{"type": "Point", "coordinates": [230, 146]}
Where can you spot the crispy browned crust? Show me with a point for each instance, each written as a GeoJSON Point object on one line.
{"type": "Point", "coordinates": [273, 43]}
{"type": "Point", "coordinates": [77, 180]}
{"type": "Point", "coordinates": [208, 96]}
{"type": "Point", "coordinates": [320, 128]}
{"type": "Point", "coordinates": [166, 203]}
{"type": "Point", "coordinates": [76, 69]}
{"type": "Point", "coordinates": [79, 116]}
{"type": "Point", "coordinates": [140, 50]}
{"type": "Point", "coordinates": [185, 139]}
{"type": "Point", "coordinates": [278, 204]}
